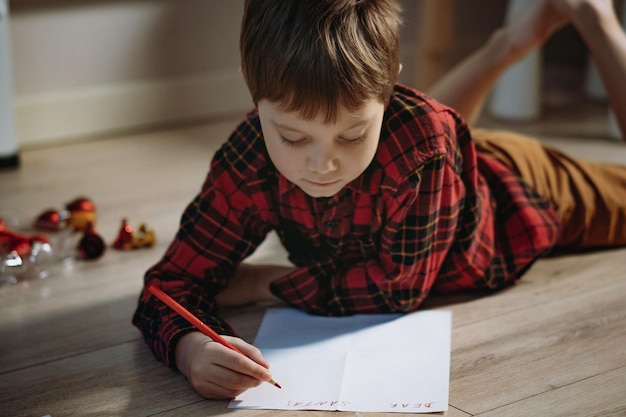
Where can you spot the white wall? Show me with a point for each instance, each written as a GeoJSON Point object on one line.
{"type": "Point", "coordinates": [92, 67]}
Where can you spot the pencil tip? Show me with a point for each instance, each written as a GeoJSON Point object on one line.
{"type": "Point", "coordinates": [276, 384]}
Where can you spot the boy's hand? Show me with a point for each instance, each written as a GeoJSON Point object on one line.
{"type": "Point", "coordinates": [215, 371]}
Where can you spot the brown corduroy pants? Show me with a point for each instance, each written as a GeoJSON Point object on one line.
{"type": "Point", "coordinates": [589, 197]}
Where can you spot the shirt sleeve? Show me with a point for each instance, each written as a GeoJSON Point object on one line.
{"type": "Point", "coordinates": [217, 231]}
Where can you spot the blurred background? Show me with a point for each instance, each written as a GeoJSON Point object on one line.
{"type": "Point", "coordinates": [88, 68]}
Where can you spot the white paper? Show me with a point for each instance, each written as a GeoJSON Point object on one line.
{"type": "Point", "coordinates": [375, 363]}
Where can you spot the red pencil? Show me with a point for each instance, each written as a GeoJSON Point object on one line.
{"type": "Point", "coordinates": [197, 323]}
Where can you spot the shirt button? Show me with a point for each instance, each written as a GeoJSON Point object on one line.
{"type": "Point", "coordinates": [330, 224]}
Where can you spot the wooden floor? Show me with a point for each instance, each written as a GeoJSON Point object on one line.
{"type": "Point", "coordinates": [554, 344]}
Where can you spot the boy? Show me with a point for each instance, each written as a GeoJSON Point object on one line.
{"type": "Point", "coordinates": [377, 191]}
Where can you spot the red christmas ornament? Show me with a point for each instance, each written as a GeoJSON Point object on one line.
{"type": "Point", "coordinates": [50, 220]}
{"type": "Point", "coordinates": [18, 243]}
{"type": "Point", "coordinates": [91, 246]}
{"type": "Point", "coordinates": [81, 204]}
{"type": "Point", "coordinates": [124, 240]}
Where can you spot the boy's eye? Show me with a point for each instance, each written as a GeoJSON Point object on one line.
{"type": "Point", "coordinates": [298, 142]}
{"type": "Point", "coordinates": [290, 142]}
{"type": "Point", "coordinates": [352, 141]}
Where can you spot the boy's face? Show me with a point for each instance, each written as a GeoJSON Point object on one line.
{"type": "Point", "coordinates": [321, 158]}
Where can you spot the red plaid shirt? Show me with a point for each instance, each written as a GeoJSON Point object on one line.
{"type": "Point", "coordinates": [429, 213]}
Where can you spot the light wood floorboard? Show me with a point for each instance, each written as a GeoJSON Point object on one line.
{"type": "Point", "coordinates": [553, 344]}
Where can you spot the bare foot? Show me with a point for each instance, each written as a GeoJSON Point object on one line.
{"type": "Point", "coordinates": [576, 11]}
{"type": "Point", "coordinates": [532, 26]}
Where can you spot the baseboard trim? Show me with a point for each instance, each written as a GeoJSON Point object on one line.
{"type": "Point", "coordinates": [9, 161]}
{"type": "Point", "coordinates": [105, 109]}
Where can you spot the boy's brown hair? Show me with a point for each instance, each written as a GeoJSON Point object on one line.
{"type": "Point", "coordinates": [318, 55]}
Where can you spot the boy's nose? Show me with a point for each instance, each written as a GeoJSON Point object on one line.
{"type": "Point", "coordinates": [322, 162]}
